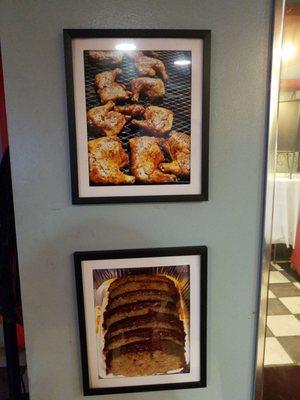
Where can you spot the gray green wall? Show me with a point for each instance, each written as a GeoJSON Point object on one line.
{"type": "Point", "coordinates": [50, 229]}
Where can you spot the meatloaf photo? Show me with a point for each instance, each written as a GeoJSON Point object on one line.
{"type": "Point", "coordinates": [144, 334]}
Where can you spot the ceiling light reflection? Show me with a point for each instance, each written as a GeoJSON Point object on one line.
{"type": "Point", "coordinates": [125, 46]}
{"type": "Point", "coordinates": [182, 62]}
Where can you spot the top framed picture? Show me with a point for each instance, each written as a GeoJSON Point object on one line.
{"type": "Point", "coordinates": [138, 109]}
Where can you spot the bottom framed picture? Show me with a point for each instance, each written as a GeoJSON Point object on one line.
{"type": "Point", "coordinates": [142, 319]}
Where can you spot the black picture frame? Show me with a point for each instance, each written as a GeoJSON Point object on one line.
{"type": "Point", "coordinates": [79, 257]}
{"type": "Point", "coordinates": [205, 35]}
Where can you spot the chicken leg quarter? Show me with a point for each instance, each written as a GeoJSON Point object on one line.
{"type": "Point", "coordinates": [103, 120]}
{"type": "Point", "coordinates": [106, 157]}
{"type": "Point", "coordinates": [145, 157]}
{"type": "Point", "coordinates": [148, 66]}
{"type": "Point", "coordinates": [178, 146]}
{"type": "Point", "coordinates": [153, 88]}
{"type": "Point", "coordinates": [108, 89]}
{"type": "Point", "coordinates": [158, 120]}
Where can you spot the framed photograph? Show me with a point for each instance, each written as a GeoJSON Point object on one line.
{"type": "Point", "coordinates": [142, 319]}
{"type": "Point", "coordinates": [138, 110]}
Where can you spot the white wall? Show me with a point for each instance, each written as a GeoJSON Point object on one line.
{"type": "Point", "coordinates": [49, 228]}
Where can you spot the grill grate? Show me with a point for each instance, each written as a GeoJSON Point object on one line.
{"type": "Point", "coordinates": [177, 97]}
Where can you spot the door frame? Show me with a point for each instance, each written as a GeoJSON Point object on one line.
{"type": "Point", "coordinates": [270, 149]}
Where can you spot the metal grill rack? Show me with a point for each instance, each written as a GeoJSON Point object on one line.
{"type": "Point", "coordinates": [177, 97]}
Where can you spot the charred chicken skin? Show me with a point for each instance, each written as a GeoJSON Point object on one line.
{"type": "Point", "coordinates": [106, 157]}
{"type": "Point", "coordinates": [145, 157]}
{"type": "Point", "coordinates": [103, 58]}
{"type": "Point", "coordinates": [149, 66]}
{"type": "Point", "coordinates": [153, 88]}
{"type": "Point", "coordinates": [178, 147]}
{"type": "Point", "coordinates": [103, 120]}
{"type": "Point", "coordinates": [158, 120]}
{"type": "Point", "coordinates": [133, 110]}
{"type": "Point", "coordinates": [108, 89]}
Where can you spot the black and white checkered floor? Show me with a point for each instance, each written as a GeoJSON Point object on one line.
{"type": "Point", "coordinates": [283, 320]}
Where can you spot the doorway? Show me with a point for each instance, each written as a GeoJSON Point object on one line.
{"type": "Point", "coordinates": [278, 352]}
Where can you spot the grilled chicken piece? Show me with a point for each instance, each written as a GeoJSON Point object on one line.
{"type": "Point", "coordinates": [134, 110]}
{"type": "Point", "coordinates": [149, 66]}
{"type": "Point", "coordinates": [178, 146]}
{"type": "Point", "coordinates": [153, 88]}
{"type": "Point", "coordinates": [138, 53]}
{"type": "Point", "coordinates": [106, 157]}
{"type": "Point", "coordinates": [108, 89]}
{"type": "Point", "coordinates": [158, 120]}
{"type": "Point", "coordinates": [104, 58]}
{"type": "Point", "coordinates": [103, 120]}
{"type": "Point", "coordinates": [145, 157]}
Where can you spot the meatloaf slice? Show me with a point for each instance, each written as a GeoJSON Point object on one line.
{"type": "Point", "coordinates": [153, 320]}
{"type": "Point", "coordinates": [142, 295]}
{"type": "Point", "coordinates": [136, 278]}
{"type": "Point", "coordinates": [152, 284]}
{"type": "Point", "coordinates": [145, 358]}
{"type": "Point", "coordinates": [137, 335]}
{"type": "Point", "coordinates": [138, 308]}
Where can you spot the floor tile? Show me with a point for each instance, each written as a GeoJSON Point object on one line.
{"type": "Point", "coordinates": [284, 289]}
{"type": "Point", "coordinates": [283, 325]}
{"type": "Point", "coordinates": [297, 284]}
{"type": "Point", "coordinates": [271, 295]}
{"type": "Point", "coordinates": [277, 266]}
{"type": "Point", "coordinates": [277, 277]}
{"type": "Point", "coordinates": [275, 353]}
{"type": "Point", "coordinates": [289, 276]}
{"type": "Point", "coordinates": [275, 307]}
{"type": "Point", "coordinates": [292, 303]}
{"type": "Point", "coordinates": [291, 345]}
{"type": "Point", "coordinates": [269, 333]}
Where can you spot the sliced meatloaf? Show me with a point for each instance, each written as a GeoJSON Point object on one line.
{"type": "Point", "coordinates": [143, 332]}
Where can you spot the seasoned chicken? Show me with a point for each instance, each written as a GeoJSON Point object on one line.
{"type": "Point", "coordinates": [178, 146]}
{"type": "Point", "coordinates": [153, 88]}
{"type": "Point", "coordinates": [158, 120]}
{"type": "Point", "coordinates": [103, 120]}
{"type": "Point", "coordinates": [134, 110]}
{"type": "Point", "coordinates": [104, 58]}
{"type": "Point", "coordinates": [106, 157]}
{"type": "Point", "coordinates": [138, 53]}
{"type": "Point", "coordinates": [149, 66]}
{"type": "Point", "coordinates": [145, 157]}
{"type": "Point", "coordinates": [108, 89]}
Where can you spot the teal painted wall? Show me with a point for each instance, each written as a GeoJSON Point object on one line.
{"type": "Point", "coordinates": [50, 229]}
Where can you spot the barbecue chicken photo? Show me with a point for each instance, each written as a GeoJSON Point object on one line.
{"type": "Point", "coordinates": [108, 89]}
{"type": "Point", "coordinates": [104, 121]}
{"type": "Point", "coordinates": [145, 157]}
{"type": "Point", "coordinates": [158, 120]}
{"type": "Point", "coordinates": [106, 157]}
